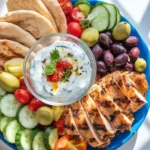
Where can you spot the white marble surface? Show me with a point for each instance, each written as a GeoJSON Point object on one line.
{"type": "Point", "coordinates": [138, 13]}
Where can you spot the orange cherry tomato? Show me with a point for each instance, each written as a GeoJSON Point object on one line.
{"type": "Point", "coordinates": [62, 143]}
{"type": "Point", "coordinates": [79, 144]}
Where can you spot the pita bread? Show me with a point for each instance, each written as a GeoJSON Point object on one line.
{"type": "Point", "coordinates": [55, 9]}
{"type": "Point", "coordinates": [13, 32]}
{"type": "Point", "coordinates": [30, 21]}
{"type": "Point", "coordinates": [10, 49]}
{"type": "Point", "coordinates": [35, 5]}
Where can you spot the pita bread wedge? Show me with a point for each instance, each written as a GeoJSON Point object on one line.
{"type": "Point", "coordinates": [10, 49]}
{"type": "Point", "coordinates": [13, 32]}
{"type": "Point", "coordinates": [30, 21]}
{"type": "Point", "coordinates": [54, 8]}
{"type": "Point", "coordinates": [36, 5]}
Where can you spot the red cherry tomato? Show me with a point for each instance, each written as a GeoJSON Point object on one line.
{"type": "Point", "coordinates": [77, 15]}
{"type": "Point", "coordinates": [62, 143]}
{"type": "Point", "coordinates": [63, 65]}
{"type": "Point", "coordinates": [57, 76]}
{"type": "Point", "coordinates": [67, 8]}
{"type": "Point", "coordinates": [75, 29]}
{"type": "Point", "coordinates": [59, 125]}
{"type": "Point", "coordinates": [22, 83]}
{"type": "Point", "coordinates": [69, 18]}
{"type": "Point", "coordinates": [62, 2]}
{"type": "Point", "coordinates": [22, 96]}
{"type": "Point", "coordinates": [35, 104]}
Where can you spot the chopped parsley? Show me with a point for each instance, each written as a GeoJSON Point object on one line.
{"type": "Point", "coordinates": [66, 75]}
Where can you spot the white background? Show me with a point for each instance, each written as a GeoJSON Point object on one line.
{"type": "Point", "coordinates": [138, 13]}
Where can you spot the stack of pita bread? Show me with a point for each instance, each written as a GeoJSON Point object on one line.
{"type": "Point", "coordinates": [25, 23]}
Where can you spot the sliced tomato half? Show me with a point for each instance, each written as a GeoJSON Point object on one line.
{"type": "Point", "coordinates": [79, 144]}
{"type": "Point", "coordinates": [62, 143]}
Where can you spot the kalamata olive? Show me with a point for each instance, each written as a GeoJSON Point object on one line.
{"type": "Point", "coordinates": [134, 53]}
{"type": "Point", "coordinates": [131, 41]}
{"type": "Point", "coordinates": [108, 58]}
{"type": "Point", "coordinates": [101, 67]}
{"type": "Point", "coordinates": [110, 36]}
{"type": "Point", "coordinates": [128, 67]}
{"type": "Point", "coordinates": [105, 40]}
{"type": "Point", "coordinates": [97, 51]}
{"type": "Point", "coordinates": [121, 60]}
{"type": "Point", "coordinates": [118, 49]}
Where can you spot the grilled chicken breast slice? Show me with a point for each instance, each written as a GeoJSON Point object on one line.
{"type": "Point", "coordinates": [131, 93]}
{"type": "Point", "coordinates": [84, 125]}
{"type": "Point", "coordinates": [99, 122]}
{"type": "Point", "coordinates": [109, 109]}
{"type": "Point", "coordinates": [70, 126]}
{"type": "Point", "coordinates": [114, 92]}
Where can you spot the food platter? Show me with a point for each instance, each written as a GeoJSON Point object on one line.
{"type": "Point", "coordinates": [122, 138]}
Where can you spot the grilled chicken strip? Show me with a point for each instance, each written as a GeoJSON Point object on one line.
{"type": "Point", "coordinates": [109, 109]}
{"type": "Point", "coordinates": [99, 122]}
{"type": "Point", "coordinates": [131, 93]}
{"type": "Point", "coordinates": [70, 126]}
{"type": "Point", "coordinates": [138, 81]}
{"type": "Point", "coordinates": [84, 126]}
{"type": "Point", "coordinates": [114, 92]}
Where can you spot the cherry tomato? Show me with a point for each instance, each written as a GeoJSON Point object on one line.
{"type": "Point", "coordinates": [22, 83]}
{"type": "Point", "coordinates": [62, 65]}
{"type": "Point", "coordinates": [77, 15]}
{"type": "Point", "coordinates": [62, 2]}
{"type": "Point", "coordinates": [57, 76]}
{"type": "Point", "coordinates": [22, 96]}
{"type": "Point", "coordinates": [75, 29]}
{"type": "Point", "coordinates": [35, 104]}
{"type": "Point", "coordinates": [69, 18]}
{"type": "Point", "coordinates": [79, 144]}
{"type": "Point", "coordinates": [59, 125]}
{"type": "Point", "coordinates": [67, 8]}
{"type": "Point", "coordinates": [61, 144]}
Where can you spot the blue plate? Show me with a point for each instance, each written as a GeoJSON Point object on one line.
{"type": "Point", "coordinates": [139, 116]}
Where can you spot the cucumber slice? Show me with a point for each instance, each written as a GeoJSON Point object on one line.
{"type": "Point", "coordinates": [46, 137]}
{"type": "Point", "coordinates": [23, 139]}
{"type": "Point", "coordinates": [118, 16]}
{"type": "Point", "coordinates": [9, 105]}
{"type": "Point", "coordinates": [26, 117]}
{"type": "Point", "coordinates": [3, 121]}
{"type": "Point", "coordinates": [2, 91]}
{"type": "Point", "coordinates": [99, 18]}
{"type": "Point", "coordinates": [10, 130]}
{"type": "Point", "coordinates": [53, 137]}
{"type": "Point", "coordinates": [37, 138]}
{"type": "Point", "coordinates": [113, 15]}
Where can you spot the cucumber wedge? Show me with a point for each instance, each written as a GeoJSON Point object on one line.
{"type": "Point", "coordinates": [10, 130]}
{"type": "Point", "coordinates": [53, 137]}
{"type": "Point", "coordinates": [9, 105]}
{"type": "Point", "coordinates": [23, 139]}
{"type": "Point", "coordinates": [113, 15]}
{"type": "Point", "coordinates": [99, 18]}
{"type": "Point", "coordinates": [118, 16]}
{"type": "Point", "coordinates": [26, 117]}
{"type": "Point", "coordinates": [37, 138]}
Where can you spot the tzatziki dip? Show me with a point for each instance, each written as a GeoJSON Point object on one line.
{"type": "Point", "coordinates": [60, 71]}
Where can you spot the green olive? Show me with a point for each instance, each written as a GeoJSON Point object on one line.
{"type": "Point", "coordinates": [9, 82]}
{"type": "Point", "coordinates": [140, 65]}
{"type": "Point", "coordinates": [121, 31]}
{"type": "Point", "coordinates": [90, 36]}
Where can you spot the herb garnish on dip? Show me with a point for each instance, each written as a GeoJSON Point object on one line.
{"type": "Point", "coordinates": [61, 69]}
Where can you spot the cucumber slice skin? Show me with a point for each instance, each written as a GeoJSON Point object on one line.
{"type": "Point", "coordinates": [2, 91]}
{"type": "Point", "coordinates": [82, 2]}
{"type": "Point", "coordinates": [53, 137]}
{"type": "Point", "coordinates": [23, 139]}
{"type": "Point", "coordinates": [100, 18]}
{"type": "Point", "coordinates": [37, 138]}
{"type": "Point", "coordinates": [113, 15]}
{"type": "Point", "coordinates": [9, 105]}
{"type": "Point", "coordinates": [26, 118]}
{"type": "Point", "coordinates": [118, 16]}
{"type": "Point", "coordinates": [10, 130]}
{"type": "Point", "coordinates": [46, 137]}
